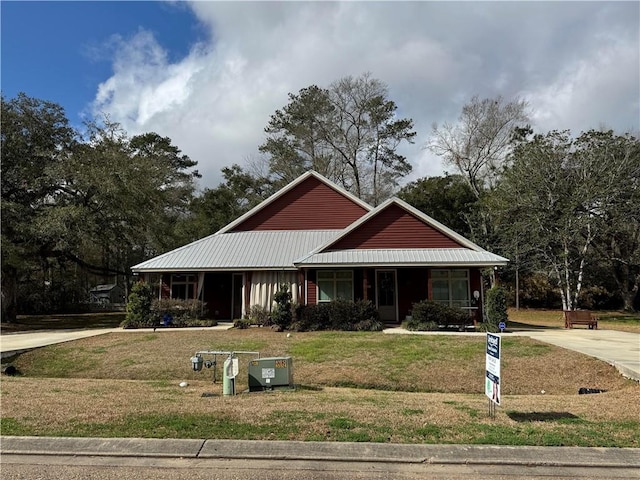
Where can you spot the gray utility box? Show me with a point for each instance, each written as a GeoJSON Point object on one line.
{"type": "Point", "coordinates": [270, 373]}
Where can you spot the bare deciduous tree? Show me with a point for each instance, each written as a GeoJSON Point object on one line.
{"type": "Point", "coordinates": [478, 144]}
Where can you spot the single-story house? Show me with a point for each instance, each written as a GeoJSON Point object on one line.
{"type": "Point", "coordinates": [325, 243]}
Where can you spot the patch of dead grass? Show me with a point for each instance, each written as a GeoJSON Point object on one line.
{"type": "Point", "coordinates": [129, 375]}
{"type": "Point", "coordinates": [48, 405]}
{"type": "Point", "coordinates": [375, 361]}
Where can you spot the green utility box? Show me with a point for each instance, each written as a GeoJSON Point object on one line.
{"type": "Point", "coordinates": [270, 373]}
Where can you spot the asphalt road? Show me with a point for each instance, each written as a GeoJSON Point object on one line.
{"type": "Point", "coordinates": [41, 458]}
{"type": "Point", "coordinates": [20, 467]}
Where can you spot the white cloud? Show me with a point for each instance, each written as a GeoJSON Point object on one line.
{"type": "Point", "coordinates": [576, 63]}
{"type": "Point", "coordinates": [595, 91]}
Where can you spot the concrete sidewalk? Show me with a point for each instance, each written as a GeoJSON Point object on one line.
{"type": "Point", "coordinates": [626, 458]}
{"type": "Point", "coordinates": [15, 343]}
{"type": "Point", "coordinates": [620, 349]}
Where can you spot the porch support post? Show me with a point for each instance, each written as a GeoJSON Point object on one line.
{"type": "Point", "coordinates": [482, 313]}
{"type": "Point", "coordinates": [302, 294]}
{"type": "Point", "coordinates": [247, 292]}
{"type": "Point", "coordinates": [365, 284]}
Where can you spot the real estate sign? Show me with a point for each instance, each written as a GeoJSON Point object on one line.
{"type": "Point", "coordinates": [492, 376]}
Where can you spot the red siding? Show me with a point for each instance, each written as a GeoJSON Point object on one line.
{"type": "Point", "coordinates": [311, 205]}
{"type": "Point", "coordinates": [394, 227]}
{"type": "Point", "coordinates": [311, 288]}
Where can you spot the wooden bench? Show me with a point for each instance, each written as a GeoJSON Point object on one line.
{"type": "Point", "coordinates": [580, 317]}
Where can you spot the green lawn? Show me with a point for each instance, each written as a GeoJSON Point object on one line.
{"type": "Point", "coordinates": [350, 387]}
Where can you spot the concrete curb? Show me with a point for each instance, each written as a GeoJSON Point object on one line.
{"type": "Point", "coordinates": [632, 372]}
{"type": "Point", "coordinates": [100, 447]}
{"type": "Point", "coordinates": [620, 458]}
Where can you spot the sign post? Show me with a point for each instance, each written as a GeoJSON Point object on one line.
{"type": "Point", "coordinates": [492, 374]}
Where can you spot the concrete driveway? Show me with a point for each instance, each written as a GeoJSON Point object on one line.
{"type": "Point", "coordinates": [621, 349]}
{"type": "Point", "coordinates": [14, 343]}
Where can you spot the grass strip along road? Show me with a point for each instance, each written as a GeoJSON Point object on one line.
{"type": "Point", "coordinates": [350, 387]}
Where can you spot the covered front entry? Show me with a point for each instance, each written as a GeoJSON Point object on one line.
{"type": "Point", "coordinates": [387, 295]}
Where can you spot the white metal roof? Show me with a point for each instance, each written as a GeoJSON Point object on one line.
{"type": "Point", "coordinates": [272, 250]}
{"type": "Point", "coordinates": [403, 257]}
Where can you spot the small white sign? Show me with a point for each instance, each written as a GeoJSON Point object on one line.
{"type": "Point", "coordinates": [268, 373]}
{"type": "Point", "coordinates": [233, 368]}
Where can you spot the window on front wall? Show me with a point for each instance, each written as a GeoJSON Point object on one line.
{"type": "Point", "coordinates": [334, 284]}
{"type": "Point", "coordinates": [450, 287]}
{"type": "Point", "coordinates": [183, 286]}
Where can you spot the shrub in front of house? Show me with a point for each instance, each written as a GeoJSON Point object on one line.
{"type": "Point", "coordinates": [366, 317]}
{"type": "Point", "coordinates": [242, 323]}
{"type": "Point", "coordinates": [139, 307]}
{"type": "Point", "coordinates": [281, 314]}
{"type": "Point", "coordinates": [311, 318]}
{"type": "Point", "coordinates": [173, 312]}
{"type": "Point", "coordinates": [338, 315]}
{"type": "Point", "coordinates": [145, 312]}
{"type": "Point", "coordinates": [428, 315]}
{"type": "Point", "coordinates": [496, 305]}
{"type": "Point", "coordinates": [259, 315]}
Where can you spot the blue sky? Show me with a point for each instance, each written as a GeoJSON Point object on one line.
{"type": "Point", "coordinates": [61, 51]}
{"type": "Point", "coordinates": [209, 74]}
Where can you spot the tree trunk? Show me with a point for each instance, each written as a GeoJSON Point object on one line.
{"type": "Point", "coordinates": [583, 259]}
{"type": "Point", "coordinates": [565, 303]}
{"type": "Point", "coordinates": [9, 295]}
{"type": "Point", "coordinates": [627, 291]}
{"type": "Point", "coordinates": [629, 295]}
{"type": "Point", "coordinates": [567, 280]}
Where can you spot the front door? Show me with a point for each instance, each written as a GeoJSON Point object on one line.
{"type": "Point", "coordinates": [386, 295]}
{"type": "Point", "coordinates": [236, 307]}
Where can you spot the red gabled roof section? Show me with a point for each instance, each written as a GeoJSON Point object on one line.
{"type": "Point", "coordinates": [394, 226]}
{"type": "Point", "coordinates": [310, 203]}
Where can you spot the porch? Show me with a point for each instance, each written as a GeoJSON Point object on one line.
{"type": "Point", "coordinates": [231, 294]}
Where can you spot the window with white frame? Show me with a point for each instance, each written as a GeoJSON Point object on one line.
{"type": "Point", "coordinates": [450, 287]}
{"type": "Point", "coordinates": [334, 284]}
{"type": "Point", "coordinates": [184, 286]}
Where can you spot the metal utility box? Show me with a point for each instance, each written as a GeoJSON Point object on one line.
{"type": "Point", "coordinates": [270, 373]}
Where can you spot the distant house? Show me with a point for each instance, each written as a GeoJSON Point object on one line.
{"type": "Point", "coordinates": [105, 294]}
{"type": "Point", "coordinates": [325, 244]}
